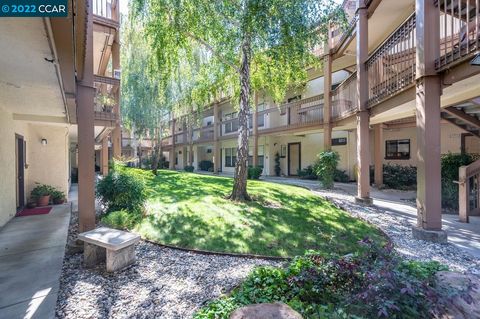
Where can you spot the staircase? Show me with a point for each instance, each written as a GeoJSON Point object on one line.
{"type": "Point", "coordinates": [465, 116]}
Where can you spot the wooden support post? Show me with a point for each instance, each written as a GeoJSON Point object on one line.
{"type": "Point", "coordinates": [104, 156]}
{"type": "Point", "coordinates": [378, 154]}
{"type": "Point", "coordinates": [363, 116]}
{"type": "Point", "coordinates": [117, 131]}
{"type": "Point", "coordinates": [172, 154]}
{"type": "Point", "coordinates": [86, 134]}
{"type": "Point", "coordinates": [216, 140]}
{"type": "Point", "coordinates": [428, 87]}
{"type": "Point", "coordinates": [463, 187]}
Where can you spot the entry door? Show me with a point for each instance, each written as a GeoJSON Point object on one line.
{"type": "Point", "coordinates": [294, 159]}
{"type": "Point", "coordinates": [20, 153]}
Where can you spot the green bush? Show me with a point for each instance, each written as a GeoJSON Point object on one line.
{"type": "Point", "coordinates": [450, 165]}
{"type": "Point", "coordinates": [189, 168]}
{"type": "Point", "coordinates": [122, 189]}
{"type": "Point", "coordinates": [205, 166]}
{"type": "Point", "coordinates": [307, 173]}
{"type": "Point", "coordinates": [399, 176]}
{"type": "Point", "coordinates": [341, 176]}
{"type": "Point", "coordinates": [58, 196]}
{"type": "Point", "coordinates": [325, 167]}
{"type": "Point", "coordinates": [122, 219]}
{"type": "Point", "coordinates": [254, 172]}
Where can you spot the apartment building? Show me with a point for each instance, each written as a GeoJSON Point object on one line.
{"type": "Point", "coordinates": [59, 101]}
{"type": "Point", "coordinates": [398, 87]}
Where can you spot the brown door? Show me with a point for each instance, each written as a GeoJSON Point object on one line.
{"type": "Point", "coordinates": [20, 153]}
{"type": "Point", "coordinates": [294, 159]}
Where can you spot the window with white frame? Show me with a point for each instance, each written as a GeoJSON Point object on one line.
{"type": "Point", "coordinates": [261, 156]}
{"type": "Point", "coordinates": [260, 119]}
{"type": "Point", "coordinates": [230, 156]}
{"type": "Point", "coordinates": [231, 126]}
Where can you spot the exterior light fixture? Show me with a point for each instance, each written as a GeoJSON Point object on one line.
{"type": "Point", "coordinates": [44, 141]}
{"type": "Point", "coordinates": [476, 60]}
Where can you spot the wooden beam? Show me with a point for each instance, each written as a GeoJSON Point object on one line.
{"type": "Point", "coordinates": [463, 116]}
{"type": "Point", "coordinates": [451, 121]}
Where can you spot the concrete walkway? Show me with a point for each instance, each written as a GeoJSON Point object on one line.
{"type": "Point", "coordinates": [32, 249]}
{"type": "Point", "coordinates": [402, 203]}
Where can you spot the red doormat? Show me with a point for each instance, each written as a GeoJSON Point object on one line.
{"type": "Point", "coordinates": [34, 211]}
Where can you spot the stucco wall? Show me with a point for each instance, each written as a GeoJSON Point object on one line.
{"type": "Point", "coordinates": [7, 167]}
{"type": "Point", "coordinates": [450, 142]}
{"type": "Point", "coordinates": [47, 164]}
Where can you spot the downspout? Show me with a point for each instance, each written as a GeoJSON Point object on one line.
{"type": "Point", "coordinates": [51, 43]}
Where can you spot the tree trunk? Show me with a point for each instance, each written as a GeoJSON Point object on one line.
{"type": "Point", "coordinates": [239, 192]}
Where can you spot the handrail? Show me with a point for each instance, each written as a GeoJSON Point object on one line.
{"type": "Point", "coordinates": [391, 67]}
{"type": "Point", "coordinates": [344, 97]}
{"type": "Point", "coordinates": [459, 30]}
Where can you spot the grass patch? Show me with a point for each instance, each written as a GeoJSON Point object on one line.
{"type": "Point", "coordinates": [190, 210]}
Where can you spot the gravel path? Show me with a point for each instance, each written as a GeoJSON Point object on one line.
{"type": "Point", "coordinates": [398, 227]}
{"type": "Point", "coordinates": [164, 283]}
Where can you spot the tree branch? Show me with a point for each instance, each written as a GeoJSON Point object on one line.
{"type": "Point", "coordinates": [213, 51]}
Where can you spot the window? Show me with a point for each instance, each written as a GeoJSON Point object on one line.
{"type": "Point", "coordinates": [230, 157]}
{"type": "Point", "coordinates": [397, 149]}
{"type": "Point", "coordinates": [260, 156]}
{"type": "Point", "coordinates": [260, 117]}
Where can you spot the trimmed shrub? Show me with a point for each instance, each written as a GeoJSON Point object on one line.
{"type": "Point", "coordinates": [307, 173]}
{"type": "Point", "coordinates": [189, 168]}
{"type": "Point", "coordinates": [341, 176]}
{"type": "Point", "coordinates": [254, 172]}
{"type": "Point", "coordinates": [450, 165]}
{"type": "Point", "coordinates": [325, 167]}
{"type": "Point", "coordinates": [399, 177]}
{"type": "Point", "coordinates": [205, 166]}
{"type": "Point", "coordinates": [277, 168]}
{"type": "Point", "coordinates": [122, 189]}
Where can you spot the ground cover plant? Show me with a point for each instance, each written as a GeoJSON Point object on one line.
{"type": "Point", "coordinates": [374, 283]}
{"type": "Point", "coordinates": [191, 210]}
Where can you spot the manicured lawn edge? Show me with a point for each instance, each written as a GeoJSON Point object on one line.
{"type": "Point", "coordinates": [219, 253]}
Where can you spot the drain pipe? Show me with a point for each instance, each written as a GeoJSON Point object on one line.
{"type": "Point", "coordinates": [51, 43]}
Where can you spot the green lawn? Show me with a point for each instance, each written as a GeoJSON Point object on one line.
{"type": "Point", "coordinates": [190, 210]}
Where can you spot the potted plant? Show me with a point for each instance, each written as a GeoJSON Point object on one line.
{"type": "Point", "coordinates": [41, 194]}
{"type": "Point", "coordinates": [31, 204]}
{"type": "Point", "coordinates": [58, 197]}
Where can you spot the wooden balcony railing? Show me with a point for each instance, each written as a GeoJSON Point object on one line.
{"type": "Point", "coordinates": [344, 97]}
{"type": "Point", "coordinates": [203, 134]}
{"type": "Point", "coordinates": [459, 30]}
{"type": "Point", "coordinates": [391, 68]}
{"type": "Point", "coordinates": [469, 191]}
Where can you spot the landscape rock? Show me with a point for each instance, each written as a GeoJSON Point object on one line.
{"type": "Point", "coordinates": [266, 311]}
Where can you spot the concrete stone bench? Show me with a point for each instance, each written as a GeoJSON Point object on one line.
{"type": "Point", "coordinates": [115, 247]}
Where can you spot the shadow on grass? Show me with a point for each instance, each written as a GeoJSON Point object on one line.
{"type": "Point", "coordinates": [190, 210]}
